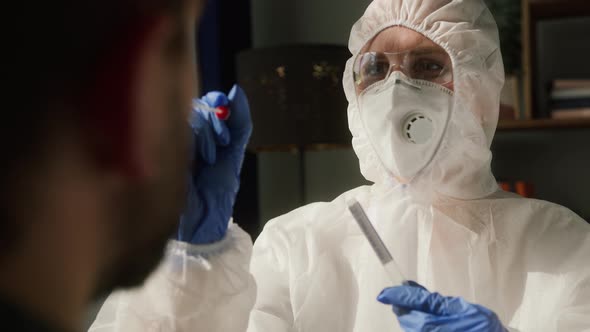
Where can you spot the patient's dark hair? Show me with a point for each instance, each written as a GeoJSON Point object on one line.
{"type": "Point", "coordinates": [52, 50]}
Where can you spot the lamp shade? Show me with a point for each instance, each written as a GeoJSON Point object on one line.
{"type": "Point", "coordinates": [296, 95]}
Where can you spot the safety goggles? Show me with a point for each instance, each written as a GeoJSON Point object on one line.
{"type": "Point", "coordinates": [431, 65]}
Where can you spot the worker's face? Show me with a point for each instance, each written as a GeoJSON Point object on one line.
{"type": "Point", "coordinates": [405, 50]}
{"type": "Point", "coordinates": [148, 209]}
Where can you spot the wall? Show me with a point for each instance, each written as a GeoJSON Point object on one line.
{"type": "Point", "coordinates": [327, 173]}
{"type": "Point", "coordinates": [279, 22]}
{"type": "Point", "coordinates": [556, 161]}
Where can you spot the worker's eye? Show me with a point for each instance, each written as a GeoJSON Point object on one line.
{"type": "Point", "coordinates": [375, 70]}
{"type": "Point", "coordinates": [370, 68]}
{"type": "Point", "coordinates": [427, 69]}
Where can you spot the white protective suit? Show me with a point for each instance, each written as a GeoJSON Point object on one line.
{"type": "Point", "coordinates": [451, 230]}
{"type": "Point", "coordinates": [196, 288]}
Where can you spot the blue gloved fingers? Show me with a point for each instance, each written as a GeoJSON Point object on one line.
{"type": "Point", "coordinates": [420, 310]}
{"type": "Point", "coordinates": [402, 311]}
{"type": "Point", "coordinates": [471, 321]}
{"type": "Point", "coordinates": [216, 181]}
{"type": "Point", "coordinates": [438, 302]}
{"type": "Point", "coordinates": [222, 135]}
{"type": "Point", "coordinates": [418, 298]}
{"type": "Point", "coordinates": [203, 137]}
{"type": "Point", "coordinates": [189, 220]}
{"type": "Point", "coordinates": [477, 318]}
{"type": "Point", "coordinates": [412, 283]}
{"type": "Point", "coordinates": [398, 297]}
{"type": "Point", "coordinates": [205, 141]}
{"type": "Point", "coordinates": [417, 321]}
{"type": "Point", "coordinates": [210, 232]}
{"type": "Point", "coordinates": [212, 99]}
{"type": "Point", "coordinates": [240, 126]}
{"type": "Point", "coordinates": [210, 132]}
{"type": "Point", "coordinates": [404, 296]}
{"type": "Point", "coordinates": [216, 99]}
{"type": "Point", "coordinates": [240, 120]}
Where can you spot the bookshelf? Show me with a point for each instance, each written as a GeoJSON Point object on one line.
{"type": "Point", "coordinates": [533, 12]}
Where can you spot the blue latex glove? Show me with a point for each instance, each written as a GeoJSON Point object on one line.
{"type": "Point", "coordinates": [419, 310]}
{"type": "Point", "coordinates": [219, 148]}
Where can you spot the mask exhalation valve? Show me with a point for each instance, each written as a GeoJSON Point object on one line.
{"type": "Point", "coordinates": [418, 129]}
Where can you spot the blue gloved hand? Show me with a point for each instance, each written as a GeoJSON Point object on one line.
{"type": "Point", "coordinates": [419, 310]}
{"type": "Point", "coordinates": [219, 148]}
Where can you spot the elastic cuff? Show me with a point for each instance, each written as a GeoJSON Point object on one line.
{"type": "Point", "coordinates": [202, 250]}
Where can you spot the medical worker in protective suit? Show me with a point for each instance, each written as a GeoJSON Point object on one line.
{"type": "Point", "coordinates": [423, 85]}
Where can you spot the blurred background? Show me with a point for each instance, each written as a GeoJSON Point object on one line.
{"type": "Point", "coordinates": [289, 57]}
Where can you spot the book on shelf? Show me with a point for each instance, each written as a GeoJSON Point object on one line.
{"type": "Point", "coordinates": [562, 84]}
{"type": "Point", "coordinates": [570, 93]}
{"type": "Point", "coordinates": [570, 103]}
{"type": "Point", "coordinates": [570, 99]}
{"type": "Point", "coordinates": [571, 114]}
{"type": "Point", "coordinates": [561, 54]}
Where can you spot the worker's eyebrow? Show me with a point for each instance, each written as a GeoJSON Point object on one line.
{"type": "Point", "coordinates": [428, 50]}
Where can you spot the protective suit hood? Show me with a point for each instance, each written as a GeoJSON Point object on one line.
{"type": "Point", "coordinates": [468, 32]}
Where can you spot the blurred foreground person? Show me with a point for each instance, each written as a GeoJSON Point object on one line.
{"type": "Point", "coordinates": [96, 149]}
